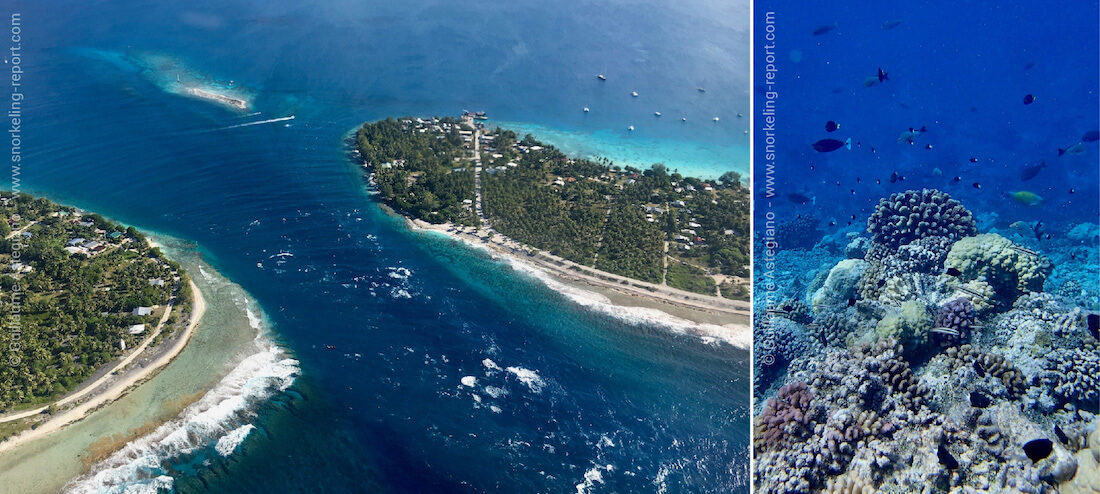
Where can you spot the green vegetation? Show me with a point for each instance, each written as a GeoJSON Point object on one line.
{"type": "Point", "coordinates": [69, 283]}
{"type": "Point", "coordinates": [690, 278]}
{"type": "Point", "coordinates": [622, 221]}
{"type": "Point", "coordinates": [734, 291]}
{"type": "Point", "coordinates": [420, 173]}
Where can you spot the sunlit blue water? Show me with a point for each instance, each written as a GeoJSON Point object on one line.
{"type": "Point", "coordinates": [408, 316]}
{"type": "Point", "coordinates": [962, 71]}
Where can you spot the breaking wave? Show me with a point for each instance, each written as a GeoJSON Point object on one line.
{"type": "Point", "coordinates": [736, 335]}
{"type": "Point", "coordinates": [216, 424]}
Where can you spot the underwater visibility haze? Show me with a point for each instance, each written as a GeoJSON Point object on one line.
{"type": "Point", "coordinates": [409, 362]}
{"type": "Point", "coordinates": [927, 257]}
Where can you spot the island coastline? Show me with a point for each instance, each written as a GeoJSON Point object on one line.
{"type": "Point", "coordinates": [709, 318]}
{"type": "Point", "coordinates": [114, 384]}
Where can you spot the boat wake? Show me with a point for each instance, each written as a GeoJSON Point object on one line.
{"type": "Point", "coordinates": [215, 425]}
{"type": "Point", "coordinates": [258, 122]}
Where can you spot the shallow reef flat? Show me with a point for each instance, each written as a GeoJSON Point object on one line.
{"type": "Point", "coordinates": [938, 347]}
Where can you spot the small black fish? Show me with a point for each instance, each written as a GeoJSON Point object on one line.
{"type": "Point", "coordinates": [831, 126]}
{"type": "Point", "coordinates": [1072, 190]}
{"type": "Point", "coordinates": [838, 183]}
{"type": "Point", "coordinates": [894, 178]}
{"type": "Point", "coordinates": [853, 216]}
{"type": "Point", "coordinates": [1029, 65]}
{"type": "Point", "coordinates": [853, 191]}
{"type": "Point", "coordinates": [826, 145]}
{"type": "Point", "coordinates": [1094, 325]}
{"type": "Point", "coordinates": [1061, 435]}
{"type": "Point", "coordinates": [1037, 449]}
{"type": "Point", "coordinates": [873, 149]}
{"type": "Point", "coordinates": [1091, 136]}
{"type": "Point", "coordinates": [851, 302]}
{"type": "Point", "coordinates": [976, 185]}
{"type": "Point", "coordinates": [953, 271]}
{"type": "Point", "coordinates": [1029, 99]}
{"type": "Point", "coordinates": [878, 182]}
{"type": "Point", "coordinates": [973, 160]}
{"type": "Point", "coordinates": [1031, 171]}
{"type": "Point", "coordinates": [946, 459]}
{"type": "Point", "coordinates": [823, 29]}
{"type": "Point", "coordinates": [832, 223]}
{"type": "Point", "coordinates": [927, 146]}
{"type": "Point", "coordinates": [798, 198]}
{"type": "Point", "coordinates": [979, 369]}
{"type": "Point", "coordinates": [858, 180]}
{"type": "Point", "coordinates": [882, 75]}
{"type": "Point", "coordinates": [957, 179]}
{"type": "Point", "coordinates": [980, 400]}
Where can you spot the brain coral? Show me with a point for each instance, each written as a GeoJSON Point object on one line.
{"type": "Point", "coordinates": [914, 214]}
{"type": "Point", "coordinates": [1009, 269]}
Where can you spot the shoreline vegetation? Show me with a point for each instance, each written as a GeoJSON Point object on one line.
{"type": "Point", "coordinates": [80, 343]}
{"type": "Point", "coordinates": [628, 237]}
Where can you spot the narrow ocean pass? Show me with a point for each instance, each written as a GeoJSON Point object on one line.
{"type": "Point", "coordinates": [412, 362]}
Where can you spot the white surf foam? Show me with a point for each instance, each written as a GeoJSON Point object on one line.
{"type": "Point", "coordinates": [490, 365]}
{"type": "Point", "coordinates": [229, 443]}
{"type": "Point", "coordinates": [206, 276]}
{"type": "Point", "coordinates": [495, 392]}
{"type": "Point", "coordinates": [735, 335]}
{"type": "Point", "coordinates": [528, 377]}
{"type": "Point", "coordinates": [592, 477]}
{"type": "Point", "coordinates": [220, 417]}
{"type": "Point", "coordinates": [470, 381]}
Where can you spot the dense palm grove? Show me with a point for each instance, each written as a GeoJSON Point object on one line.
{"type": "Point", "coordinates": [652, 225]}
{"type": "Point", "coordinates": [67, 312]}
{"type": "Point", "coordinates": [414, 169]}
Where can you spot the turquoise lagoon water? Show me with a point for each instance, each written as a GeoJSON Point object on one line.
{"type": "Point", "coordinates": [425, 366]}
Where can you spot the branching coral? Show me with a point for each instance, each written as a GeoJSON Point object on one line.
{"type": "Point", "coordinates": [1074, 374]}
{"type": "Point", "coordinates": [799, 233]}
{"type": "Point", "coordinates": [832, 326]}
{"type": "Point", "coordinates": [907, 216]}
{"type": "Point", "coordinates": [785, 417]}
{"type": "Point", "coordinates": [957, 315]}
{"type": "Point", "coordinates": [988, 363]}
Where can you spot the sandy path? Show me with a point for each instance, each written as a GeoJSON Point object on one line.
{"type": "Point", "coordinates": [113, 390]}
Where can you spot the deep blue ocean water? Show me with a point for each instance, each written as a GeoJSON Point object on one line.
{"type": "Point", "coordinates": [960, 69]}
{"type": "Point", "coordinates": [579, 397]}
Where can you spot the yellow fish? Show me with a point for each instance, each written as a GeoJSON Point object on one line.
{"type": "Point", "coordinates": [1026, 198]}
